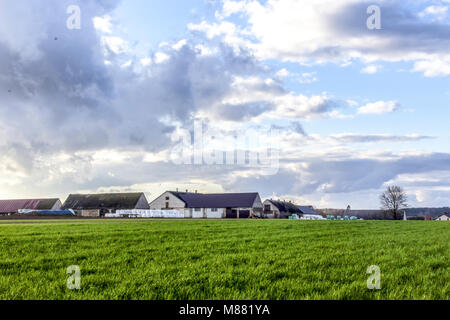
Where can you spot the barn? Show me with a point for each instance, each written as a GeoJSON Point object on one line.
{"type": "Point", "coordinates": [8, 207]}
{"type": "Point", "coordinates": [444, 217]}
{"type": "Point", "coordinates": [210, 206]}
{"type": "Point", "coordinates": [308, 210]}
{"type": "Point", "coordinates": [97, 205]}
{"type": "Point", "coordinates": [280, 209]}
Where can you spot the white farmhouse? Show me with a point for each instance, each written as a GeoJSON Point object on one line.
{"type": "Point", "coordinates": [444, 217]}
{"type": "Point", "coordinates": [210, 206]}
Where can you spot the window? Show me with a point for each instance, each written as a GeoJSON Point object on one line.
{"type": "Point", "coordinates": [198, 209]}
{"type": "Point", "coordinates": [167, 205]}
{"type": "Point", "coordinates": [214, 210]}
{"type": "Point", "coordinates": [167, 198]}
{"type": "Point", "coordinates": [267, 207]}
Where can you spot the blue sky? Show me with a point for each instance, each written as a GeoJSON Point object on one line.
{"type": "Point", "coordinates": [105, 104]}
{"type": "Point", "coordinates": [150, 22]}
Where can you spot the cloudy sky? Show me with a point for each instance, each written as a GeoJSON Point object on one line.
{"type": "Point", "coordinates": [100, 101]}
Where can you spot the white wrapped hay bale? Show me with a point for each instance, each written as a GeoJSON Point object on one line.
{"type": "Point", "coordinates": [147, 214]}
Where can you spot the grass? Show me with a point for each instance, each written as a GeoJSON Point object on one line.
{"type": "Point", "coordinates": [198, 259]}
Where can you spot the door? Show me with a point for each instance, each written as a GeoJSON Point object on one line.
{"type": "Point", "coordinates": [231, 214]}
{"type": "Point", "coordinates": [244, 214]}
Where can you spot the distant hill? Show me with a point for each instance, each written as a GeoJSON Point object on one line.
{"type": "Point", "coordinates": [380, 215]}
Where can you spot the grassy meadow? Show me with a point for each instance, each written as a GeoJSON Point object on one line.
{"type": "Point", "coordinates": [224, 259]}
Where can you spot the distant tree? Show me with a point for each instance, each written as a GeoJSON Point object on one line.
{"type": "Point", "coordinates": [393, 200]}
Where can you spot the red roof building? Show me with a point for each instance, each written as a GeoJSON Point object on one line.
{"type": "Point", "coordinates": [13, 206]}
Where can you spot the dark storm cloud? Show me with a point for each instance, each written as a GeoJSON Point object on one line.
{"type": "Point", "coordinates": [63, 97]}
{"type": "Point", "coordinates": [402, 32]}
{"type": "Point", "coordinates": [57, 92]}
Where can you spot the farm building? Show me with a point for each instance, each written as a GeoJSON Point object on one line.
{"type": "Point", "coordinates": [97, 205]}
{"type": "Point", "coordinates": [280, 209]}
{"type": "Point", "coordinates": [444, 217]}
{"type": "Point", "coordinates": [308, 210]}
{"type": "Point", "coordinates": [308, 213]}
{"type": "Point", "coordinates": [211, 206]}
{"type": "Point", "coordinates": [13, 206]}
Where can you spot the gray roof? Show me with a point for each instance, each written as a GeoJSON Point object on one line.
{"type": "Point", "coordinates": [284, 206]}
{"type": "Point", "coordinates": [118, 201]}
{"type": "Point", "coordinates": [307, 210]}
{"type": "Point", "coordinates": [217, 200]}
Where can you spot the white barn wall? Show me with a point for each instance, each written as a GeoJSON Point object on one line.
{"type": "Point", "coordinates": [198, 214]}
{"type": "Point", "coordinates": [174, 202]}
{"type": "Point", "coordinates": [188, 213]}
{"type": "Point", "coordinates": [219, 214]}
{"type": "Point", "coordinates": [275, 212]}
{"type": "Point", "coordinates": [258, 204]}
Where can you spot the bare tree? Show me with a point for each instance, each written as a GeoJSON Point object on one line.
{"type": "Point", "coordinates": [393, 200]}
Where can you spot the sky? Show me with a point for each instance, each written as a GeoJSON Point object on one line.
{"type": "Point", "coordinates": [328, 102]}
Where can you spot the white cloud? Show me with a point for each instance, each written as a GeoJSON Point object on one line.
{"type": "Point", "coordinates": [292, 106]}
{"type": "Point", "coordinates": [438, 12]}
{"type": "Point", "coordinates": [352, 103]}
{"type": "Point", "coordinates": [304, 78]}
{"type": "Point", "coordinates": [230, 33]}
{"type": "Point", "coordinates": [230, 7]}
{"type": "Point", "coordinates": [320, 31]}
{"type": "Point", "coordinates": [371, 69]}
{"type": "Point", "coordinates": [103, 24]}
{"type": "Point", "coordinates": [271, 101]}
{"type": "Point", "coordinates": [308, 77]}
{"type": "Point", "coordinates": [116, 44]}
{"type": "Point", "coordinates": [180, 44]}
{"type": "Point", "coordinates": [215, 29]}
{"type": "Point", "coordinates": [376, 138]}
{"type": "Point", "coordinates": [146, 61]}
{"type": "Point", "coordinates": [161, 57]}
{"type": "Point", "coordinates": [379, 107]}
{"type": "Point", "coordinates": [433, 67]}
{"type": "Point", "coordinates": [127, 64]}
{"type": "Point", "coordinates": [204, 50]}
{"type": "Point", "coordinates": [283, 73]}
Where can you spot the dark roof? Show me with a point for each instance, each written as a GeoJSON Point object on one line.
{"type": "Point", "coordinates": [11, 206]}
{"type": "Point", "coordinates": [46, 204]}
{"type": "Point", "coordinates": [307, 210]}
{"type": "Point", "coordinates": [284, 206]}
{"type": "Point", "coordinates": [117, 201]}
{"type": "Point", "coordinates": [217, 200]}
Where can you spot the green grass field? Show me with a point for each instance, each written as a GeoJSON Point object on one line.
{"type": "Point", "coordinates": [254, 259]}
